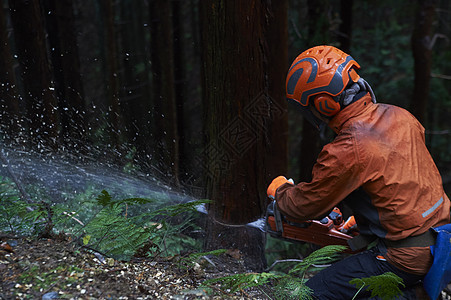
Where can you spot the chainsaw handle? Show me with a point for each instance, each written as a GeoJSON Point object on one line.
{"type": "Point", "coordinates": [273, 210]}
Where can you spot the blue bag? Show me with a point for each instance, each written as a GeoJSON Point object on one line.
{"type": "Point", "coordinates": [440, 273]}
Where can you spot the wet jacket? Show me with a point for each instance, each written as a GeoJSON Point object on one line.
{"type": "Point", "coordinates": [379, 165]}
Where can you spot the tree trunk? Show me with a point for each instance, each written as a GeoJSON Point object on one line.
{"type": "Point", "coordinates": [66, 67]}
{"type": "Point", "coordinates": [245, 115]}
{"type": "Point", "coordinates": [345, 33]}
{"type": "Point", "coordinates": [111, 73]}
{"type": "Point", "coordinates": [422, 51]}
{"type": "Point", "coordinates": [136, 94]}
{"type": "Point", "coordinates": [35, 72]}
{"type": "Point", "coordinates": [165, 110]}
{"type": "Point", "coordinates": [317, 35]}
{"type": "Point", "coordinates": [276, 68]}
{"type": "Point", "coordinates": [179, 81]}
{"type": "Point", "coordinates": [9, 100]}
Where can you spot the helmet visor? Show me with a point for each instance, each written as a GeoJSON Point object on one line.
{"type": "Point", "coordinates": [308, 114]}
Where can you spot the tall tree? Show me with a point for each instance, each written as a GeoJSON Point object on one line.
{"type": "Point", "coordinates": [421, 41]}
{"type": "Point", "coordinates": [244, 114]}
{"type": "Point", "coordinates": [165, 110]}
{"type": "Point", "coordinates": [66, 68]}
{"type": "Point", "coordinates": [318, 33]}
{"type": "Point", "coordinates": [345, 30]}
{"type": "Point", "coordinates": [9, 100]}
{"type": "Point", "coordinates": [135, 79]}
{"type": "Point", "coordinates": [180, 79]}
{"type": "Point", "coordinates": [111, 71]}
{"type": "Point", "coordinates": [35, 71]}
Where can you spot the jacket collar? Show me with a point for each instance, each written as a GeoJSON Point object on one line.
{"type": "Point", "coordinates": [354, 110]}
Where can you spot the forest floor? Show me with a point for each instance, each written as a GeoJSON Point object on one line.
{"type": "Point", "coordinates": [59, 269]}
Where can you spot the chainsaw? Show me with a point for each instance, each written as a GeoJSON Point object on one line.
{"type": "Point", "coordinates": [328, 231]}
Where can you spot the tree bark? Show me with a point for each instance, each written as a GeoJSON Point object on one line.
{"type": "Point", "coordinates": [9, 97]}
{"type": "Point", "coordinates": [136, 95]}
{"type": "Point", "coordinates": [35, 72]}
{"type": "Point", "coordinates": [244, 67]}
{"type": "Point", "coordinates": [311, 144]}
{"type": "Point", "coordinates": [179, 81]}
{"type": "Point", "coordinates": [422, 52]}
{"type": "Point", "coordinates": [66, 67]}
{"type": "Point", "coordinates": [165, 110]}
{"type": "Point", "coordinates": [345, 34]}
{"type": "Point", "coordinates": [111, 73]}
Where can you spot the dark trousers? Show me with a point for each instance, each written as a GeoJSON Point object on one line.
{"type": "Point", "coordinates": [333, 282]}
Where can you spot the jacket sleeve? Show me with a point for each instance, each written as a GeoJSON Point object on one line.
{"type": "Point", "coordinates": [336, 174]}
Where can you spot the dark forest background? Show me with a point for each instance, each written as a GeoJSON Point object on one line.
{"type": "Point", "coordinates": [192, 91]}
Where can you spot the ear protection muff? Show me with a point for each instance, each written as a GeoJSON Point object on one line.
{"type": "Point", "coordinates": [326, 105]}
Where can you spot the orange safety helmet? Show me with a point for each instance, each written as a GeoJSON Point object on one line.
{"type": "Point", "coordinates": [318, 75]}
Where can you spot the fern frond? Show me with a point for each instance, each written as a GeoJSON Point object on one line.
{"type": "Point", "coordinates": [12, 208]}
{"type": "Point", "coordinates": [106, 199]}
{"type": "Point", "coordinates": [114, 234]}
{"type": "Point", "coordinates": [385, 286]}
{"type": "Point", "coordinates": [320, 256]}
{"type": "Point", "coordinates": [237, 282]}
{"type": "Point", "coordinates": [292, 288]}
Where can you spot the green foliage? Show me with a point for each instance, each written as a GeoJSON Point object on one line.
{"type": "Point", "coordinates": [292, 288]}
{"type": "Point", "coordinates": [385, 286]}
{"type": "Point", "coordinates": [286, 285]}
{"type": "Point", "coordinates": [116, 227]}
{"type": "Point", "coordinates": [237, 282]}
{"type": "Point", "coordinates": [121, 236]}
{"type": "Point", "coordinates": [12, 208]}
{"type": "Point", "coordinates": [115, 235]}
{"type": "Point", "coordinates": [60, 276]}
{"type": "Point", "coordinates": [105, 199]}
{"type": "Point", "coordinates": [322, 256]}
{"type": "Point", "coordinates": [19, 216]}
{"type": "Point", "coordinates": [277, 249]}
{"type": "Point", "coordinates": [196, 256]}
{"type": "Point", "coordinates": [291, 285]}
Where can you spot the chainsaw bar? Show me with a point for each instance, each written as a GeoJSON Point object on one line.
{"type": "Point", "coordinates": [320, 233]}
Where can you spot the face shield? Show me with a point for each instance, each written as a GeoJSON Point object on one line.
{"type": "Point", "coordinates": [308, 114]}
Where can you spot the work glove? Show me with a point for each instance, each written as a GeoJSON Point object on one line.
{"type": "Point", "coordinates": [275, 184]}
{"type": "Point", "coordinates": [349, 225]}
{"type": "Point", "coordinates": [336, 216]}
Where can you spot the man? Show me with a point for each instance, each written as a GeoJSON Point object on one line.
{"type": "Point", "coordinates": [378, 165]}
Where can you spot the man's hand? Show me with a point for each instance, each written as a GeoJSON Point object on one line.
{"type": "Point", "coordinates": [349, 225]}
{"type": "Point", "coordinates": [275, 184]}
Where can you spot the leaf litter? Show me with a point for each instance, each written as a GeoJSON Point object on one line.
{"type": "Point", "coordinates": [60, 269]}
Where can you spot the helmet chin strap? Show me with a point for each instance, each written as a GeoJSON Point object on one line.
{"type": "Point", "coordinates": [361, 85]}
{"type": "Point", "coordinates": [369, 89]}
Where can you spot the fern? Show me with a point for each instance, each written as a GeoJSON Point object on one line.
{"type": "Point", "coordinates": [12, 208]}
{"type": "Point", "coordinates": [292, 285]}
{"type": "Point", "coordinates": [385, 286]}
{"type": "Point", "coordinates": [238, 282]}
{"type": "Point", "coordinates": [113, 234]}
{"type": "Point", "coordinates": [323, 255]}
{"type": "Point", "coordinates": [292, 288]}
{"type": "Point", "coordinates": [196, 256]}
{"type": "Point", "coordinates": [105, 199]}
{"type": "Point", "coordinates": [19, 216]}
{"type": "Point", "coordinates": [286, 286]}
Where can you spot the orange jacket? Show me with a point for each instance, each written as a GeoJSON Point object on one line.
{"type": "Point", "coordinates": [379, 165]}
